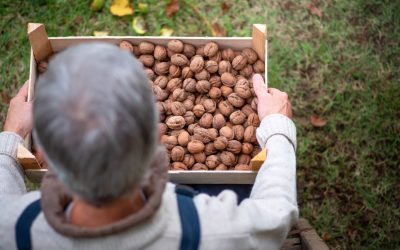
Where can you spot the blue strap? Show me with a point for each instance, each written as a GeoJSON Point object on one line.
{"type": "Point", "coordinates": [189, 220]}
{"type": "Point", "coordinates": [24, 223]}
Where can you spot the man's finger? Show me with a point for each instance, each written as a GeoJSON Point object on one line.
{"type": "Point", "coordinates": [274, 91]}
{"type": "Point", "coordinates": [259, 86]}
{"type": "Point", "coordinates": [23, 91]}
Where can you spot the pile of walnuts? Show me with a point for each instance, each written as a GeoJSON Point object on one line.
{"type": "Point", "coordinates": [208, 113]}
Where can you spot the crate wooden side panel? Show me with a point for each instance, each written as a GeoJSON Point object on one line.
{"type": "Point", "coordinates": [183, 177]}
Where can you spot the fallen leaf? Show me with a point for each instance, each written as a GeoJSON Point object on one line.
{"type": "Point", "coordinates": [326, 236]}
{"type": "Point", "coordinates": [166, 31]}
{"type": "Point", "coordinates": [225, 7]}
{"type": "Point", "coordinates": [314, 10]}
{"type": "Point", "coordinates": [139, 25]}
{"type": "Point", "coordinates": [143, 8]}
{"type": "Point", "coordinates": [171, 8]}
{"type": "Point", "coordinates": [97, 5]}
{"type": "Point", "coordinates": [121, 8]}
{"type": "Point", "coordinates": [100, 33]}
{"type": "Point", "coordinates": [317, 121]}
{"type": "Point", "coordinates": [218, 30]}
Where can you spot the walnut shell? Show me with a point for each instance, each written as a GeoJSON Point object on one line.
{"type": "Point", "coordinates": [170, 142]}
{"type": "Point", "coordinates": [214, 93]}
{"type": "Point", "coordinates": [198, 110]}
{"type": "Point", "coordinates": [226, 91]}
{"type": "Point", "coordinates": [179, 95]}
{"type": "Point", "coordinates": [195, 146]}
{"type": "Point", "coordinates": [213, 133]}
{"type": "Point", "coordinates": [146, 48]}
{"type": "Point", "coordinates": [228, 79]}
{"type": "Point", "coordinates": [247, 71]}
{"type": "Point", "coordinates": [250, 134]}
{"type": "Point", "coordinates": [175, 122]}
{"type": "Point", "coordinates": [224, 67]}
{"type": "Point", "coordinates": [244, 159]}
{"type": "Point", "coordinates": [211, 66]}
{"type": "Point", "coordinates": [247, 148]}
{"type": "Point", "coordinates": [250, 55]}
{"type": "Point", "coordinates": [160, 53]}
{"type": "Point", "coordinates": [183, 138]}
{"type": "Point", "coordinates": [206, 120]}
{"type": "Point", "coordinates": [147, 60]}
{"type": "Point", "coordinates": [226, 132]}
{"type": "Point", "coordinates": [203, 86]}
{"type": "Point", "coordinates": [175, 46]}
{"type": "Point", "coordinates": [200, 157]}
{"type": "Point", "coordinates": [217, 57]}
{"type": "Point", "coordinates": [187, 73]}
{"type": "Point", "coordinates": [210, 149]}
{"type": "Point", "coordinates": [254, 104]}
{"type": "Point", "coordinates": [174, 83]}
{"type": "Point", "coordinates": [253, 120]}
{"type": "Point", "coordinates": [200, 51]}
{"type": "Point", "coordinates": [162, 68]}
{"type": "Point", "coordinates": [247, 110]}
{"type": "Point", "coordinates": [236, 100]}
{"type": "Point", "coordinates": [215, 81]}
{"type": "Point", "coordinates": [189, 85]}
{"type": "Point", "coordinates": [239, 62]}
{"type": "Point", "coordinates": [189, 50]}
{"type": "Point", "coordinates": [201, 134]}
{"type": "Point", "coordinates": [174, 71]}
{"type": "Point", "coordinates": [199, 166]}
{"type": "Point", "coordinates": [150, 74]}
{"type": "Point", "coordinates": [227, 158]}
{"type": "Point", "coordinates": [162, 128]}
{"type": "Point", "coordinates": [218, 121]}
{"type": "Point", "coordinates": [221, 167]}
{"type": "Point", "coordinates": [225, 108]}
{"type": "Point", "coordinates": [259, 67]}
{"type": "Point", "coordinates": [220, 143]}
{"type": "Point", "coordinates": [242, 88]}
{"type": "Point", "coordinates": [192, 127]}
{"type": "Point", "coordinates": [210, 49]}
{"type": "Point", "coordinates": [209, 105]}
{"type": "Point", "coordinates": [177, 153]}
{"type": "Point", "coordinates": [237, 117]}
{"type": "Point", "coordinates": [202, 75]}
{"type": "Point", "coordinates": [127, 46]}
{"type": "Point", "coordinates": [188, 160]}
{"type": "Point", "coordinates": [188, 104]}
{"type": "Point", "coordinates": [178, 109]}
{"type": "Point", "coordinates": [189, 117]}
{"type": "Point", "coordinates": [197, 64]}
{"type": "Point", "coordinates": [160, 94]}
{"type": "Point", "coordinates": [242, 167]}
{"type": "Point", "coordinates": [212, 161]}
{"type": "Point", "coordinates": [234, 146]}
{"type": "Point", "coordinates": [228, 54]}
{"type": "Point", "coordinates": [179, 60]}
{"type": "Point", "coordinates": [238, 131]}
{"type": "Point", "coordinates": [178, 166]}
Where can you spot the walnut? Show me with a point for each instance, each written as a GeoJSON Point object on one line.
{"type": "Point", "coordinates": [239, 62]}
{"type": "Point", "coordinates": [183, 138]}
{"type": "Point", "coordinates": [160, 94]}
{"type": "Point", "coordinates": [175, 46]}
{"type": "Point", "coordinates": [146, 48]}
{"type": "Point", "coordinates": [175, 122]}
{"type": "Point", "coordinates": [187, 73]}
{"type": "Point", "coordinates": [238, 131]}
{"type": "Point", "coordinates": [227, 158]}
{"type": "Point", "coordinates": [210, 49]}
{"type": "Point", "coordinates": [200, 157]}
{"type": "Point", "coordinates": [200, 51]}
{"type": "Point", "coordinates": [160, 53]}
{"type": "Point", "coordinates": [210, 149]}
{"type": "Point", "coordinates": [206, 120]}
{"type": "Point", "coordinates": [198, 110]}
{"type": "Point", "coordinates": [228, 55]}
{"type": "Point", "coordinates": [200, 99]}
{"type": "Point", "coordinates": [213, 133]}
{"type": "Point", "coordinates": [226, 132]}
{"type": "Point", "coordinates": [199, 166]}
{"type": "Point", "coordinates": [147, 60]}
{"type": "Point", "coordinates": [179, 95]}
{"type": "Point", "coordinates": [215, 81]}
{"type": "Point", "coordinates": [179, 60]}
{"type": "Point", "coordinates": [253, 120]}
{"type": "Point", "coordinates": [256, 151]}
{"type": "Point", "coordinates": [174, 83]}
{"type": "Point", "coordinates": [161, 81]}
{"type": "Point", "coordinates": [150, 74]}
{"type": "Point", "coordinates": [170, 142]}
{"type": "Point", "coordinates": [236, 100]}
{"type": "Point", "coordinates": [217, 57]}
{"type": "Point", "coordinates": [226, 91]}
{"type": "Point", "coordinates": [162, 68]}
{"type": "Point", "coordinates": [188, 104]}
{"type": "Point", "coordinates": [127, 46]}
{"type": "Point", "coordinates": [212, 161]}
{"type": "Point", "coordinates": [214, 93]}
{"type": "Point", "coordinates": [203, 86]}
{"type": "Point", "coordinates": [177, 166]}
{"type": "Point", "coordinates": [250, 55]}
{"type": "Point", "coordinates": [189, 117]}
{"type": "Point", "coordinates": [189, 50]}
{"type": "Point", "coordinates": [218, 121]}
{"type": "Point", "coordinates": [228, 79]}
{"type": "Point", "coordinates": [225, 108]}
{"type": "Point", "coordinates": [221, 167]}
{"type": "Point", "coordinates": [188, 160]}
{"type": "Point", "coordinates": [247, 110]}
{"type": "Point", "coordinates": [224, 67]}
{"type": "Point", "coordinates": [176, 132]}
{"type": "Point", "coordinates": [195, 146]}
{"type": "Point", "coordinates": [177, 153]}
{"type": "Point", "coordinates": [197, 64]}
{"type": "Point", "coordinates": [244, 159]}
{"type": "Point", "coordinates": [191, 128]}
{"type": "Point", "coordinates": [254, 104]}
{"type": "Point", "coordinates": [220, 143]}
{"type": "Point", "coordinates": [162, 128]}
{"type": "Point", "coordinates": [161, 107]}
{"type": "Point", "coordinates": [211, 66]}
{"type": "Point", "coordinates": [247, 71]}
{"type": "Point", "coordinates": [178, 109]}
{"type": "Point", "coordinates": [242, 88]}
{"type": "Point", "coordinates": [174, 71]}
{"type": "Point", "coordinates": [202, 75]}
{"type": "Point", "coordinates": [201, 134]}
{"type": "Point", "coordinates": [191, 97]}
{"type": "Point", "coordinates": [189, 85]}
{"type": "Point", "coordinates": [209, 105]}
{"type": "Point", "coordinates": [258, 66]}
{"type": "Point", "coordinates": [242, 167]}
{"type": "Point", "coordinates": [247, 148]}
{"type": "Point", "coordinates": [250, 134]}
{"type": "Point", "coordinates": [234, 146]}
{"type": "Point", "coordinates": [237, 117]}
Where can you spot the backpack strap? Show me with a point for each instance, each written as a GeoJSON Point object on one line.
{"type": "Point", "coordinates": [24, 223]}
{"type": "Point", "coordinates": [189, 219]}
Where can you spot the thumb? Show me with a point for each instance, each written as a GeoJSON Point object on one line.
{"type": "Point", "coordinates": [259, 86]}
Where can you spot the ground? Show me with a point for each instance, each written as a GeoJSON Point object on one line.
{"type": "Point", "coordinates": [338, 60]}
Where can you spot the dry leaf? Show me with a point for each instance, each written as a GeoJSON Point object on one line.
{"type": "Point", "coordinates": [97, 5]}
{"type": "Point", "coordinates": [100, 33]}
{"type": "Point", "coordinates": [166, 31]}
{"type": "Point", "coordinates": [121, 8]}
{"type": "Point", "coordinates": [326, 236]}
{"type": "Point", "coordinates": [317, 121]}
{"type": "Point", "coordinates": [172, 8]}
{"type": "Point", "coordinates": [314, 10]}
{"type": "Point", "coordinates": [139, 25]}
{"type": "Point", "coordinates": [218, 30]}
{"type": "Point", "coordinates": [225, 7]}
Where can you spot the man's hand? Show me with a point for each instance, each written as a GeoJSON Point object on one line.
{"type": "Point", "coordinates": [19, 116]}
{"type": "Point", "coordinates": [270, 101]}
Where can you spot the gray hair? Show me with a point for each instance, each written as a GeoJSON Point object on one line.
{"type": "Point", "coordinates": [96, 121]}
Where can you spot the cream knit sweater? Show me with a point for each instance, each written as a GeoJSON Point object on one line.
{"type": "Point", "coordinates": [259, 222]}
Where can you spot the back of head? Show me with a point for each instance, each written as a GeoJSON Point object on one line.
{"type": "Point", "coordinates": [95, 120]}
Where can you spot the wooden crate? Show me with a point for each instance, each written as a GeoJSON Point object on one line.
{"type": "Point", "coordinates": [42, 46]}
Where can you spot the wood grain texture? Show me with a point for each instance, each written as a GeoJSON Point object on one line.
{"type": "Point", "coordinates": [39, 41]}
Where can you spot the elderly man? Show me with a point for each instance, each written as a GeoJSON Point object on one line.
{"type": "Point", "coordinates": [95, 122]}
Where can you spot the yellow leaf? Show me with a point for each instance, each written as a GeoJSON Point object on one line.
{"type": "Point", "coordinates": [139, 25]}
{"type": "Point", "coordinates": [121, 8]}
{"type": "Point", "coordinates": [97, 5]}
{"type": "Point", "coordinates": [100, 33]}
{"type": "Point", "coordinates": [166, 31]}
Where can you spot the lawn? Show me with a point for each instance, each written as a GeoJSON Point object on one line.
{"type": "Point", "coordinates": [338, 60]}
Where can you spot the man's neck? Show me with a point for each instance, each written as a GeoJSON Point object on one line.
{"type": "Point", "coordinates": [85, 215]}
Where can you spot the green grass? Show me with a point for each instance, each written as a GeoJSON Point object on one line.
{"type": "Point", "coordinates": [343, 67]}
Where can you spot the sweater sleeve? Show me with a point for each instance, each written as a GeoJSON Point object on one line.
{"type": "Point", "coordinates": [11, 173]}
